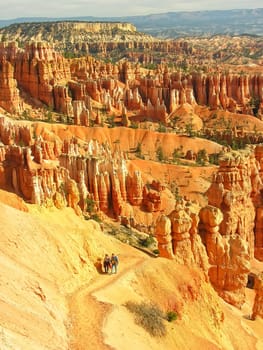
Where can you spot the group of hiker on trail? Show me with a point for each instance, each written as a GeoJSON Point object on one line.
{"type": "Point", "coordinates": [110, 263]}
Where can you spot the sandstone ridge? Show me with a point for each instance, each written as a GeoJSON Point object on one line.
{"type": "Point", "coordinates": [86, 89]}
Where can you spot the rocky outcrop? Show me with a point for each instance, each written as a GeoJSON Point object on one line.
{"type": "Point", "coordinates": [135, 188]}
{"type": "Point", "coordinates": [259, 234]}
{"type": "Point", "coordinates": [81, 113]}
{"type": "Point", "coordinates": [259, 204]}
{"type": "Point", "coordinates": [231, 191]}
{"type": "Point", "coordinates": [258, 302]}
{"type": "Point", "coordinates": [48, 77]}
{"type": "Point", "coordinates": [73, 197]}
{"type": "Point", "coordinates": [151, 199]}
{"type": "Point", "coordinates": [11, 133]}
{"type": "Point", "coordinates": [225, 258]}
{"type": "Point", "coordinates": [9, 93]}
{"type": "Point", "coordinates": [33, 170]}
{"type": "Point", "coordinates": [133, 99]}
{"type": "Point", "coordinates": [231, 228]}
{"type": "Point", "coordinates": [172, 89]}
{"type": "Point", "coordinates": [62, 100]}
{"type": "Point", "coordinates": [47, 172]}
{"type": "Point", "coordinates": [228, 257]}
{"type": "Point", "coordinates": [227, 226]}
{"type": "Point", "coordinates": [37, 69]}
{"type": "Point", "coordinates": [164, 238]}
{"type": "Point", "coordinates": [155, 112]}
{"type": "Point", "coordinates": [81, 37]}
{"type": "Point", "coordinates": [178, 238]}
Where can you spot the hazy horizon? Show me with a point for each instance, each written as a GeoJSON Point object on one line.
{"type": "Point", "coordinates": [115, 8]}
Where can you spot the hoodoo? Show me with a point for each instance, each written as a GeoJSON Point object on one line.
{"type": "Point", "coordinates": [117, 143]}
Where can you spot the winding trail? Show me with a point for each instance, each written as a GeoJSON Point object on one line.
{"type": "Point", "coordinates": [88, 314]}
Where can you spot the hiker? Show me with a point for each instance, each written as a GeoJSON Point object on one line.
{"type": "Point", "coordinates": [114, 263]}
{"type": "Point", "coordinates": [106, 263]}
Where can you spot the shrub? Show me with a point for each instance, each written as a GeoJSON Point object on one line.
{"type": "Point", "coordinates": [201, 157]}
{"type": "Point", "coordinates": [96, 217]}
{"type": "Point", "coordinates": [214, 158]}
{"type": "Point", "coordinates": [160, 154]}
{"type": "Point", "coordinates": [149, 316]}
{"type": "Point", "coordinates": [90, 204]}
{"type": "Point", "coordinates": [189, 129]}
{"type": "Point", "coordinates": [63, 188]}
{"type": "Point", "coordinates": [171, 316]}
{"type": "Point", "coordinates": [146, 242]}
{"type": "Point", "coordinates": [138, 150]}
{"type": "Point", "coordinates": [48, 115]}
{"type": "Point", "coordinates": [114, 231]}
{"type": "Point", "coordinates": [134, 125]}
{"type": "Point", "coordinates": [111, 122]}
{"type": "Point", "coordinates": [176, 193]}
{"type": "Point", "coordinates": [26, 114]}
{"type": "Point", "coordinates": [254, 104]}
{"type": "Point", "coordinates": [156, 251]}
{"type": "Point", "coordinates": [177, 153]}
{"type": "Point", "coordinates": [161, 128]}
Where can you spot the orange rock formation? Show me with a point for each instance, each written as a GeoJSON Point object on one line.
{"type": "Point", "coordinates": [48, 77]}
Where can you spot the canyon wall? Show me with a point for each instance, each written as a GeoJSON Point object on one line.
{"type": "Point", "coordinates": [57, 82]}
{"type": "Point", "coordinates": [67, 174]}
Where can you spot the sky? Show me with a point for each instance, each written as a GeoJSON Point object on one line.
{"type": "Point", "coordinates": [103, 8]}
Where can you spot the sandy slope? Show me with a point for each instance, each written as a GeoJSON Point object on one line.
{"type": "Point", "coordinates": [53, 297]}
{"type": "Point", "coordinates": [127, 138]}
{"type": "Point", "coordinates": [192, 182]}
